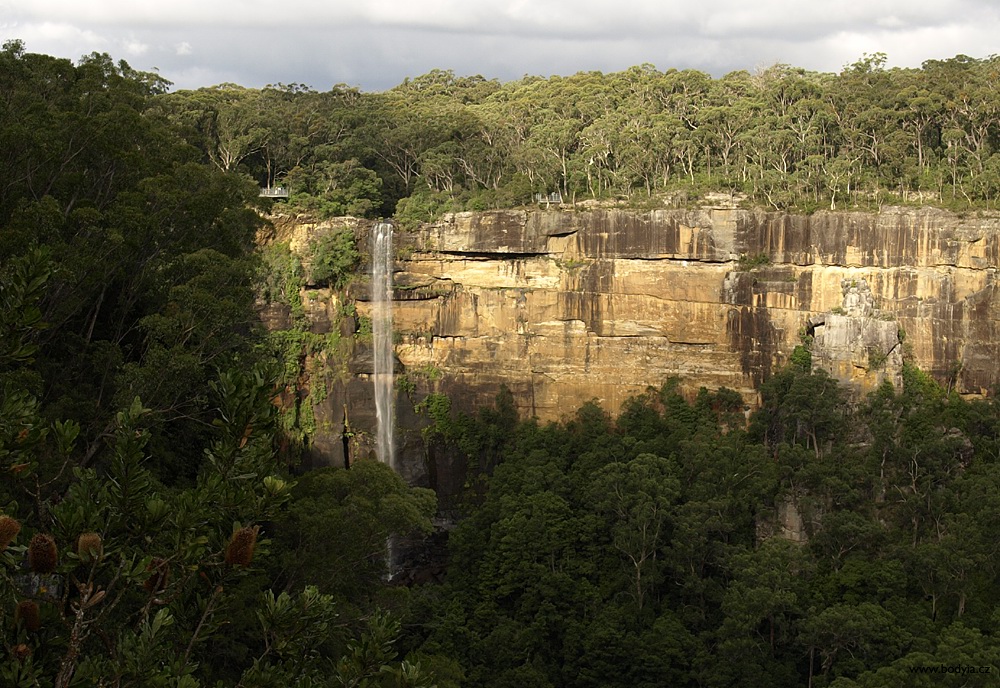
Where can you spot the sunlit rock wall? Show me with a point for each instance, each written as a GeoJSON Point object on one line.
{"type": "Point", "coordinates": [565, 306]}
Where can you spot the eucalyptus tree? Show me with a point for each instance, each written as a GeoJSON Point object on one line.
{"type": "Point", "coordinates": [228, 122]}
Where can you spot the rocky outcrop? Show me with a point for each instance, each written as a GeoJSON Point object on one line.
{"type": "Point", "coordinates": [857, 343]}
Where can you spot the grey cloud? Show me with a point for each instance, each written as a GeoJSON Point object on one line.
{"type": "Point", "coordinates": [377, 43]}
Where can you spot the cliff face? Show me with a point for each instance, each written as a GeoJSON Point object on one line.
{"type": "Point", "coordinates": [564, 307]}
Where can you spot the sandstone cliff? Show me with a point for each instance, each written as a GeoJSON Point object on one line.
{"type": "Point", "coordinates": [567, 306]}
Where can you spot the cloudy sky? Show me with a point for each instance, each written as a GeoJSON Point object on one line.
{"type": "Point", "coordinates": [375, 44]}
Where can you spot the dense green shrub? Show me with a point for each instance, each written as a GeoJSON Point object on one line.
{"type": "Point", "coordinates": [333, 257]}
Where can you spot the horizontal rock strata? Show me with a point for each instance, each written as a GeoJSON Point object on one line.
{"type": "Point", "coordinates": [565, 307]}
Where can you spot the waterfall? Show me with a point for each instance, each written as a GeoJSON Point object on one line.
{"type": "Point", "coordinates": [381, 295]}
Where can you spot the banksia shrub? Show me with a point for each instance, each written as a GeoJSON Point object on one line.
{"type": "Point", "coordinates": [241, 546]}
{"type": "Point", "coordinates": [89, 547]}
{"type": "Point", "coordinates": [9, 528]}
{"type": "Point", "coordinates": [42, 554]}
{"type": "Point", "coordinates": [27, 615]}
{"type": "Point", "coordinates": [275, 485]}
{"type": "Point", "coordinates": [159, 575]}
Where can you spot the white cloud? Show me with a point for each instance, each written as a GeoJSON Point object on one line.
{"type": "Point", "coordinates": [135, 48]}
{"type": "Point", "coordinates": [61, 32]}
{"type": "Point", "coordinates": [184, 48]}
{"type": "Point", "coordinates": [57, 38]}
{"type": "Point", "coordinates": [890, 22]}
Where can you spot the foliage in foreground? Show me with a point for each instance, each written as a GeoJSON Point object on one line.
{"type": "Point", "coordinates": [147, 529]}
{"type": "Point", "coordinates": [111, 576]}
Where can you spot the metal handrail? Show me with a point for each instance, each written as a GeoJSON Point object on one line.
{"type": "Point", "coordinates": [274, 192]}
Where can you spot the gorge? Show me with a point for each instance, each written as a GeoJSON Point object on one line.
{"type": "Point", "coordinates": [190, 497]}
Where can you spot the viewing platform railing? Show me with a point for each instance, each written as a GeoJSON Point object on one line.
{"type": "Point", "coordinates": [274, 192]}
{"type": "Point", "coordinates": [554, 197]}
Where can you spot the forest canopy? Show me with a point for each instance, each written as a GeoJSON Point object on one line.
{"type": "Point", "coordinates": [780, 137]}
{"type": "Point", "coordinates": [827, 542]}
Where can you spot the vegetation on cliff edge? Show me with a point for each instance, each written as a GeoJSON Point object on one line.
{"type": "Point", "coordinates": [780, 137]}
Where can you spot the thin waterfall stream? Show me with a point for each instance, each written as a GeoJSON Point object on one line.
{"type": "Point", "coordinates": [382, 373]}
{"type": "Point", "coordinates": [381, 295]}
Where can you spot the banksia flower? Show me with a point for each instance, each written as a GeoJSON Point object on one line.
{"type": "Point", "coordinates": [241, 546]}
{"type": "Point", "coordinates": [21, 652]}
{"type": "Point", "coordinates": [159, 571]}
{"type": "Point", "coordinates": [42, 554]}
{"type": "Point", "coordinates": [89, 547]}
{"type": "Point", "coordinates": [9, 528]}
{"type": "Point", "coordinates": [27, 615]}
